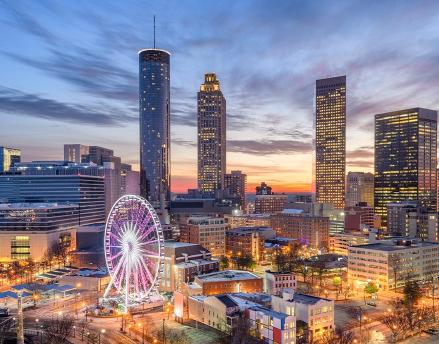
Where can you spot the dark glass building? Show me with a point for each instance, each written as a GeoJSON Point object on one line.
{"type": "Point", "coordinates": [405, 159]}
{"type": "Point", "coordinates": [86, 191]}
{"type": "Point", "coordinates": [211, 137]}
{"type": "Point", "coordinates": [330, 141]}
{"type": "Point", "coordinates": [154, 113]}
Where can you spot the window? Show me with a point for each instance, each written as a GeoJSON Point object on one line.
{"type": "Point", "coordinates": [20, 247]}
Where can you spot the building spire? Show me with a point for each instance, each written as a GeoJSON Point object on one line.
{"type": "Point", "coordinates": [154, 31]}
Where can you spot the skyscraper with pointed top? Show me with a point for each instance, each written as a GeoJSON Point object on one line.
{"type": "Point", "coordinates": [154, 115]}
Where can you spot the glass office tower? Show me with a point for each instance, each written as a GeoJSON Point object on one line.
{"type": "Point", "coordinates": [211, 136]}
{"type": "Point", "coordinates": [330, 141]}
{"type": "Point", "coordinates": [405, 158]}
{"type": "Point", "coordinates": [8, 157]}
{"type": "Point", "coordinates": [154, 113]}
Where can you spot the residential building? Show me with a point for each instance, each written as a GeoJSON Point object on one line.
{"type": "Point", "coordinates": [330, 141]}
{"type": "Point", "coordinates": [310, 230]}
{"type": "Point", "coordinates": [405, 159]}
{"type": "Point", "coordinates": [359, 189]}
{"type": "Point", "coordinates": [270, 203]}
{"type": "Point", "coordinates": [340, 242]}
{"type": "Point", "coordinates": [316, 312]}
{"type": "Point", "coordinates": [8, 157]}
{"type": "Point", "coordinates": [227, 281]}
{"type": "Point", "coordinates": [208, 232]}
{"type": "Point", "coordinates": [235, 186]}
{"type": "Point", "coordinates": [30, 230]}
{"type": "Point", "coordinates": [154, 114]}
{"type": "Point", "coordinates": [211, 136]}
{"type": "Point", "coordinates": [382, 262]}
{"type": "Point", "coordinates": [248, 241]}
{"type": "Point", "coordinates": [86, 191]}
{"type": "Point", "coordinates": [408, 219]}
{"type": "Point", "coordinates": [184, 261]}
{"type": "Point", "coordinates": [276, 282]}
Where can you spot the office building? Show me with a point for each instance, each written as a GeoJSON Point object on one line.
{"type": "Point", "coordinates": [359, 189]}
{"type": "Point", "coordinates": [8, 157]}
{"type": "Point", "coordinates": [86, 191]}
{"type": "Point", "coordinates": [382, 262]}
{"type": "Point", "coordinates": [270, 203]}
{"type": "Point", "coordinates": [248, 241]}
{"type": "Point", "coordinates": [208, 232]}
{"type": "Point", "coordinates": [340, 242]}
{"type": "Point", "coordinates": [408, 219]}
{"type": "Point", "coordinates": [405, 159]}
{"type": "Point", "coordinates": [310, 230]}
{"type": "Point", "coordinates": [359, 217]}
{"type": "Point", "coordinates": [330, 141]}
{"type": "Point", "coordinates": [211, 136]}
{"type": "Point", "coordinates": [249, 220]}
{"type": "Point", "coordinates": [235, 186]}
{"type": "Point", "coordinates": [30, 230]}
{"type": "Point", "coordinates": [184, 261]}
{"type": "Point", "coordinates": [76, 153]}
{"type": "Point", "coordinates": [154, 113]}
{"type": "Point", "coordinates": [129, 181]}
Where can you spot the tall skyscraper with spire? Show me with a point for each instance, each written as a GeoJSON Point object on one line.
{"type": "Point", "coordinates": [154, 114]}
{"type": "Point", "coordinates": [330, 141]}
{"type": "Point", "coordinates": [211, 137]}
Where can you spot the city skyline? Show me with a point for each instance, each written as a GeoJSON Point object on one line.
{"type": "Point", "coordinates": [85, 96]}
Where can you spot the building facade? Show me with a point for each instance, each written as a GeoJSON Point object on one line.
{"type": "Point", "coordinates": [270, 203]}
{"type": "Point", "coordinates": [405, 158]}
{"type": "Point", "coordinates": [209, 232]}
{"type": "Point", "coordinates": [359, 216]}
{"type": "Point", "coordinates": [235, 184]}
{"type": "Point", "coordinates": [359, 189]}
{"type": "Point", "coordinates": [340, 242]}
{"type": "Point", "coordinates": [330, 141]}
{"type": "Point", "coordinates": [211, 136]}
{"type": "Point", "coordinates": [8, 157]}
{"type": "Point", "coordinates": [276, 282]}
{"type": "Point", "coordinates": [154, 113]}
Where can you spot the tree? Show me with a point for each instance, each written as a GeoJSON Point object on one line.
{"type": "Point", "coordinates": [338, 336]}
{"type": "Point", "coordinates": [336, 281]}
{"type": "Point", "coordinates": [412, 292]}
{"type": "Point", "coordinates": [395, 265]}
{"type": "Point", "coordinates": [57, 330]}
{"type": "Point", "coordinates": [173, 336]}
{"type": "Point", "coordinates": [224, 262]}
{"type": "Point", "coordinates": [370, 289]}
{"type": "Point", "coordinates": [35, 290]}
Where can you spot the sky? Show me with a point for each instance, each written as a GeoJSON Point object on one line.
{"type": "Point", "coordinates": [69, 74]}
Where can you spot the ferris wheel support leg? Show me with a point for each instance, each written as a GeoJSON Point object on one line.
{"type": "Point", "coordinates": [107, 290]}
{"type": "Point", "coordinates": [127, 285]}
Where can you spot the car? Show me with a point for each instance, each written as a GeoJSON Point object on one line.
{"type": "Point", "coordinates": [4, 312]}
{"type": "Point", "coordinates": [373, 304]}
{"type": "Point", "coordinates": [432, 331]}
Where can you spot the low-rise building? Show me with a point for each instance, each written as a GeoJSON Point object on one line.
{"type": "Point", "coordinates": [316, 312]}
{"type": "Point", "coordinates": [340, 242]}
{"type": "Point", "coordinates": [208, 232]}
{"type": "Point", "coordinates": [184, 261]}
{"type": "Point", "coordinates": [270, 203]}
{"type": "Point", "coordinates": [248, 241]}
{"type": "Point", "coordinates": [276, 282]}
{"type": "Point", "coordinates": [359, 216]}
{"type": "Point", "coordinates": [249, 220]}
{"type": "Point", "coordinates": [389, 264]}
{"type": "Point", "coordinates": [227, 281]}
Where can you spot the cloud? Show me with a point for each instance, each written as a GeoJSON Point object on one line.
{"type": "Point", "coordinates": [19, 103]}
{"type": "Point", "coordinates": [269, 147]}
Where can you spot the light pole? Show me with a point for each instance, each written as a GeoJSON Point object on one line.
{"type": "Point", "coordinates": [164, 337]}
{"type": "Point", "coordinates": [101, 331]}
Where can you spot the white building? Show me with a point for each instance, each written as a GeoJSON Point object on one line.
{"type": "Point", "coordinates": [340, 242]}
{"type": "Point", "coordinates": [276, 282]}
{"type": "Point", "coordinates": [317, 312]}
{"type": "Point", "coordinates": [378, 263]}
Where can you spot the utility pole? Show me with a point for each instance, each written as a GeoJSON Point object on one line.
{"type": "Point", "coordinates": [20, 327]}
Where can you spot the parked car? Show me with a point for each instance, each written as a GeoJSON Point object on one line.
{"type": "Point", "coordinates": [432, 331]}
{"type": "Point", "coordinates": [371, 303]}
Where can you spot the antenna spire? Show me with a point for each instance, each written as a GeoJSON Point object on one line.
{"type": "Point", "coordinates": [154, 31]}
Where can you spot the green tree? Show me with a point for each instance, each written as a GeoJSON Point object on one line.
{"type": "Point", "coordinates": [336, 281]}
{"type": "Point", "coordinates": [371, 288]}
{"type": "Point", "coordinates": [412, 293]}
{"type": "Point", "coordinates": [224, 262]}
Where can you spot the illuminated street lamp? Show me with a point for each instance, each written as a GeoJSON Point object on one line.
{"type": "Point", "coordinates": [101, 331]}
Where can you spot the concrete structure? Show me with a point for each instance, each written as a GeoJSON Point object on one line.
{"type": "Point", "coordinates": [129, 181]}
{"type": "Point", "coordinates": [184, 261]}
{"type": "Point", "coordinates": [227, 281]}
{"type": "Point", "coordinates": [30, 230]}
{"type": "Point", "coordinates": [308, 229]}
{"type": "Point", "coordinates": [8, 157]}
{"type": "Point", "coordinates": [408, 219]}
{"type": "Point", "coordinates": [248, 241]}
{"type": "Point", "coordinates": [316, 312]}
{"type": "Point", "coordinates": [235, 184]}
{"type": "Point", "coordinates": [405, 159]}
{"type": "Point", "coordinates": [209, 232]}
{"type": "Point", "coordinates": [379, 262]}
{"type": "Point", "coordinates": [211, 136]}
{"type": "Point", "coordinates": [87, 280]}
{"type": "Point", "coordinates": [359, 189]}
{"type": "Point", "coordinates": [270, 204]}
{"type": "Point", "coordinates": [330, 141]}
{"type": "Point", "coordinates": [276, 282]}
{"type": "Point", "coordinates": [340, 242]}
{"type": "Point", "coordinates": [155, 121]}
{"type": "Point", "coordinates": [358, 217]}
{"type": "Point", "coordinates": [249, 220]}
{"type": "Point", "coordinates": [89, 251]}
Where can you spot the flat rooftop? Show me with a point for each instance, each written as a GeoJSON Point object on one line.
{"type": "Point", "coordinates": [228, 275]}
{"type": "Point", "coordinates": [15, 206]}
{"type": "Point", "coordinates": [307, 299]}
{"type": "Point", "coordinates": [386, 247]}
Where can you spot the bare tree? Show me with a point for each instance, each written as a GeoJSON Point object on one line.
{"type": "Point", "coordinates": [395, 263]}
{"type": "Point", "coordinates": [338, 336]}
{"type": "Point", "coordinates": [57, 330]}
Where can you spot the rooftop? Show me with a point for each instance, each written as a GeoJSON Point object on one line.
{"type": "Point", "coordinates": [227, 275]}
{"type": "Point", "coordinates": [400, 245]}
{"type": "Point", "coordinates": [269, 312]}
{"type": "Point", "coordinates": [307, 299]}
{"type": "Point", "coordinates": [18, 206]}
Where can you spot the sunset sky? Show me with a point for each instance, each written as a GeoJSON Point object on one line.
{"type": "Point", "coordinates": [69, 74]}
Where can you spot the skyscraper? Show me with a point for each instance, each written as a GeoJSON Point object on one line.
{"type": "Point", "coordinates": [330, 141]}
{"type": "Point", "coordinates": [211, 136]}
{"type": "Point", "coordinates": [154, 113]}
{"type": "Point", "coordinates": [405, 158]}
{"type": "Point", "coordinates": [235, 186]}
{"type": "Point", "coordinates": [8, 157]}
{"type": "Point", "coordinates": [359, 189]}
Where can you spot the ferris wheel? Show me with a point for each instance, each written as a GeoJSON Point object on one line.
{"type": "Point", "coordinates": [134, 249]}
